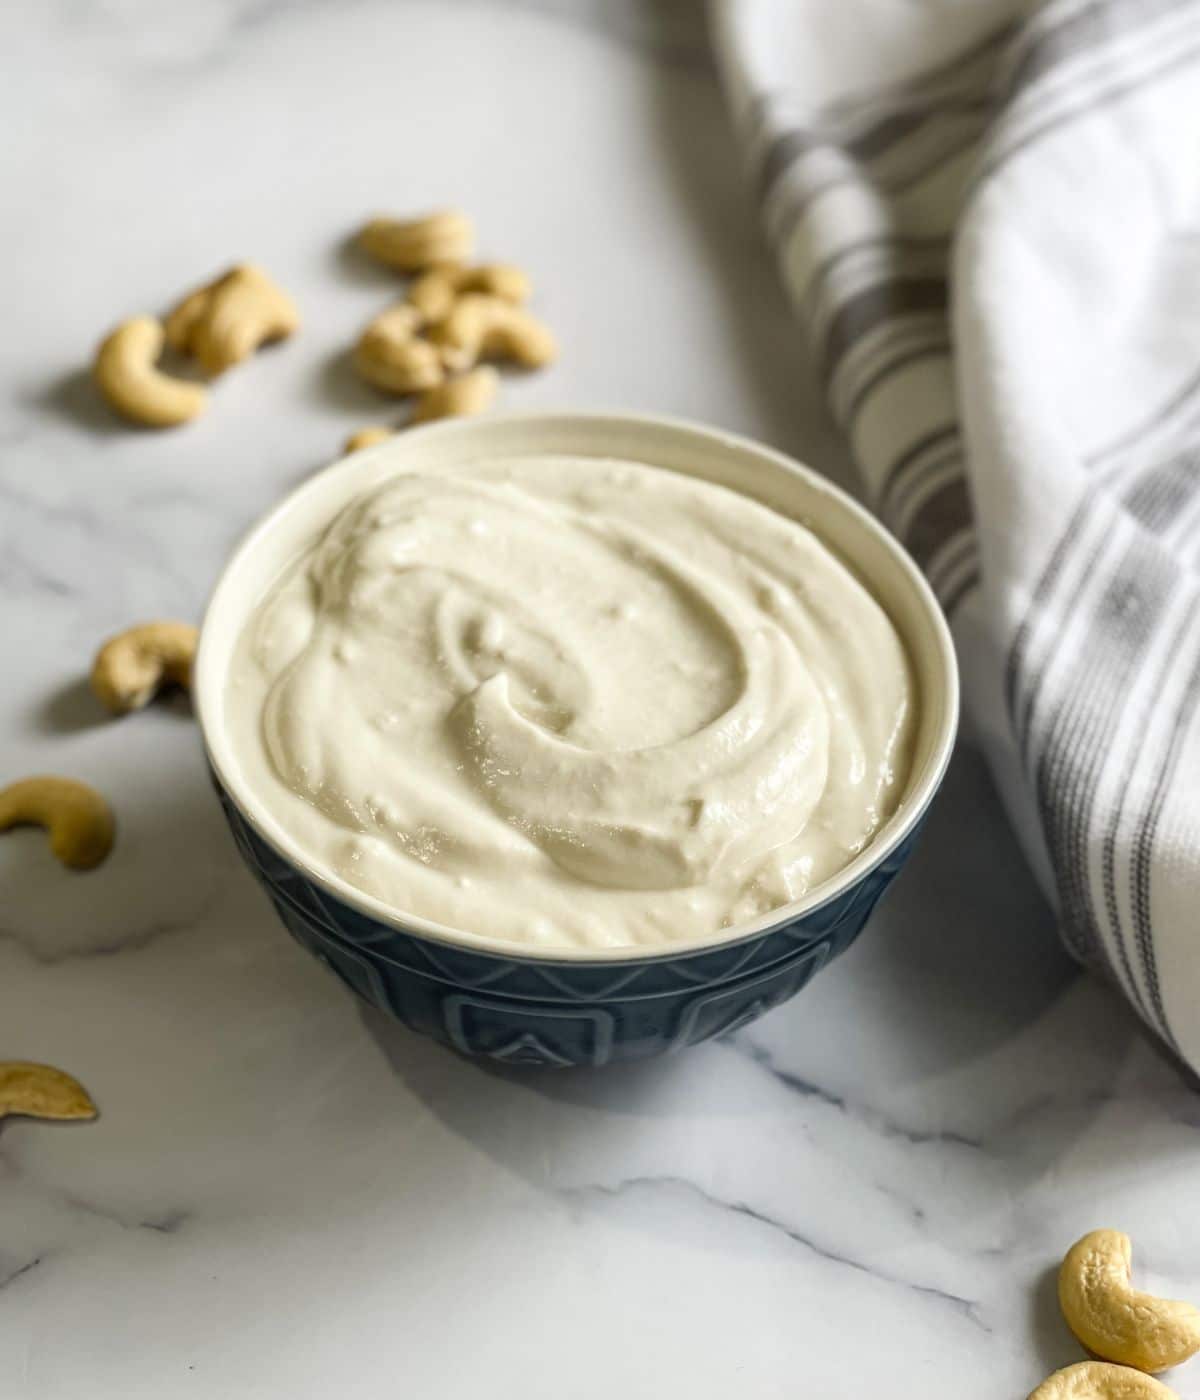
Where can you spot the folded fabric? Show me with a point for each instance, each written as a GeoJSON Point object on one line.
{"type": "Point", "coordinates": [988, 219]}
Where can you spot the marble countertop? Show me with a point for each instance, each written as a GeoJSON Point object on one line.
{"type": "Point", "coordinates": [864, 1193]}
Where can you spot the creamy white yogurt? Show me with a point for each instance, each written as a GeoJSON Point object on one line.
{"type": "Point", "coordinates": [573, 702]}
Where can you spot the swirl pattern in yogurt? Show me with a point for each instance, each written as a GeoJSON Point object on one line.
{"type": "Point", "coordinates": [573, 702]}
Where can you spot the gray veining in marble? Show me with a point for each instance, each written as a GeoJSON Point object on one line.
{"type": "Point", "coordinates": [864, 1193]}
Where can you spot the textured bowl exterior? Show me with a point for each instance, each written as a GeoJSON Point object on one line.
{"type": "Point", "coordinates": [537, 1011]}
{"type": "Point", "coordinates": [478, 995]}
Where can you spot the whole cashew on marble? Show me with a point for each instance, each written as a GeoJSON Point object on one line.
{"type": "Point", "coordinates": [434, 293]}
{"type": "Point", "coordinates": [390, 356]}
{"type": "Point", "coordinates": [127, 373]}
{"type": "Point", "coordinates": [488, 327]}
{"type": "Point", "coordinates": [41, 1091]}
{"type": "Point", "coordinates": [461, 397]}
{"type": "Point", "coordinates": [1099, 1380]}
{"type": "Point", "coordinates": [226, 321]}
{"type": "Point", "coordinates": [76, 817]}
{"type": "Point", "coordinates": [1111, 1318]}
{"type": "Point", "coordinates": [412, 245]}
{"type": "Point", "coordinates": [132, 667]}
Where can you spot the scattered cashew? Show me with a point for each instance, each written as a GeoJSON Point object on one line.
{"type": "Point", "coordinates": [76, 816]}
{"type": "Point", "coordinates": [1098, 1380]}
{"type": "Point", "coordinates": [367, 437]}
{"type": "Point", "coordinates": [398, 322]}
{"type": "Point", "coordinates": [431, 295]}
{"type": "Point", "coordinates": [399, 367]}
{"type": "Point", "coordinates": [184, 317]}
{"type": "Point", "coordinates": [480, 326]}
{"type": "Point", "coordinates": [226, 321]}
{"type": "Point", "coordinates": [126, 372]}
{"type": "Point", "coordinates": [41, 1091]}
{"type": "Point", "coordinates": [1111, 1318]}
{"type": "Point", "coordinates": [132, 667]}
{"type": "Point", "coordinates": [462, 397]}
{"type": "Point", "coordinates": [391, 357]}
{"type": "Point", "coordinates": [434, 293]}
{"type": "Point", "coordinates": [412, 245]}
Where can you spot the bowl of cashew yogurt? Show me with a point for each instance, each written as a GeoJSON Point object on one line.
{"type": "Point", "coordinates": [568, 739]}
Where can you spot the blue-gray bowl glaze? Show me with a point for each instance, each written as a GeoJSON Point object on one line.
{"type": "Point", "coordinates": [480, 995]}
{"type": "Point", "coordinates": [538, 1011]}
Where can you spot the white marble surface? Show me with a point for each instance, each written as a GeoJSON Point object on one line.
{"type": "Point", "coordinates": [285, 1197]}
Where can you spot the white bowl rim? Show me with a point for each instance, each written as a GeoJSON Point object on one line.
{"type": "Point", "coordinates": [207, 678]}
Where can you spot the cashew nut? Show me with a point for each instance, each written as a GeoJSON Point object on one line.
{"type": "Point", "coordinates": [480, 326]}
{"type": "Point", "coordinates": [434, 293]}
{"type": "Point", "coordinates": [132, 667]}
{"type": "Point", "coordinates": [1111, 1318]}
{"type": "Point", "coordinates": [367, 437]}
{"type": "Point", "coordinates": [76, 816]}
{"type": "Point", "coordinates": [398, 323]}
{"type": "Point", "coordinates": [126, 372]}
{"type": "Point", "coordinates": [41, 1091]}
{"type": "Point", "coordinates": [1097, 1380]}
{"type": "Point", "coordinates": [226, 321]}
{"type": "Point", "coordinates": [412, 245]}
{"type": "Point", "coordinates": [463, 397]}
{"type": "Point", "coordinates": [391, 357]}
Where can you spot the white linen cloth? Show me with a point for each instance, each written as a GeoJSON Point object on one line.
{"type": "Point", "coordinates": [987, 217]}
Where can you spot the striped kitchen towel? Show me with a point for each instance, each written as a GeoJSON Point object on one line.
{"type": "Point", "coordinates": [988, 218]}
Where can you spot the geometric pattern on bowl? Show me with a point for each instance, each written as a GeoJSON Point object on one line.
{"type": "Point", "coordinates": [536, 1011]}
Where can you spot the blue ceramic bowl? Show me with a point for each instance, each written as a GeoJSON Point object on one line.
{"type": "Point", "coordinates": [485, 996]}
